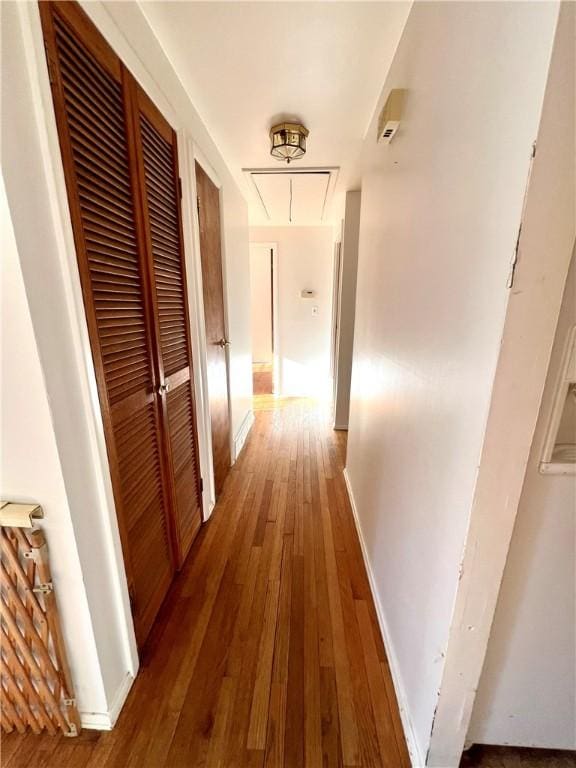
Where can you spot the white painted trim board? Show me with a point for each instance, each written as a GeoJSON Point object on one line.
{"type": "Point", "coordinates": [105, 721]}
{"type": "Point", "coordinates": [242, 434]}
{"type": "Point", "coordinates": [416, 757]}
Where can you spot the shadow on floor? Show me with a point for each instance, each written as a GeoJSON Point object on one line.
{"type": "Point", "coordinates": [480, 756]}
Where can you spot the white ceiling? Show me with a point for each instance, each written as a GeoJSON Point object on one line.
{"type": "Point", "coordinates": [247, 65]}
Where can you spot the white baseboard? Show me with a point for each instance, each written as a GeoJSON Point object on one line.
{"type": "Point", "coordinates": [242, 434]}
{"type": "Point", "coordinates": [105, 721]}
{"type": "Point", "coordinates": [416, 757]}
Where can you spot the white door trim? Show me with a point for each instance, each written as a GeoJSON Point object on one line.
{"type": "Point", "coordinates": [276, 357]}
{"type": "Point", "coordinates": [197, 156]}
{"type": "Point", "coordinates": [187, 154]}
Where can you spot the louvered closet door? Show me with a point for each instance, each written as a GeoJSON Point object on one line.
{"type": "Point", "coordinates": [157, 147]}
{"type": "Point", "coordinates": [89, 89]}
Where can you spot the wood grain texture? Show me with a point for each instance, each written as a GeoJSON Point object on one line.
{"type": "Point", "coordinates": [93, 117]}
{"type": "Point", "coordinates": [159, 185]}
{"type": "Point", "coordinates": [265, 653]}
{"type": "Point", "coordinates": [262, 378]}
{"type": "Point", "coordinates": [213, 292]}
{"type": "Point", "coordinates": [121, 168]}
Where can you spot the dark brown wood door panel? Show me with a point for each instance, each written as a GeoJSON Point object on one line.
{"type": "Point", "coordinates": [213, 293]}
{"type": "Point", "coordinates": [162, 214]}
{"type": "Point", "coordinates": [117, 191]}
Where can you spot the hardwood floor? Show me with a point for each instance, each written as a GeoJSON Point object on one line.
{"type": "Point", "coordinates": [267, 651]}
{"type": "Point", "coordinates": [262, 378]}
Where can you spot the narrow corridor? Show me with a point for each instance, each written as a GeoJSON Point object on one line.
{"type": "Point", "coordinates": [267, 651]}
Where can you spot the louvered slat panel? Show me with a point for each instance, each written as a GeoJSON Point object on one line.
{"type": "Point", "coordinates": [163, 214]}
{"type": "Point", "coordinates": [97, 146]}
{"type": "Point", "coordinates": [94, 109]}
{"type": "Point", "coordinates": [165, 236]}
{"type": "Point", "coordinates": [139, 464]}
{"type": "Point", "coordinates": [181, 423]}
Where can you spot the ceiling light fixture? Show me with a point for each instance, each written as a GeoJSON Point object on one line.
{"type": "Point", "coordinates": [288, 141]}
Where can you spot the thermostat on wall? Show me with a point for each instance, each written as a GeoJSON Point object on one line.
{"type": "Point", "coordinates": [307, 294]}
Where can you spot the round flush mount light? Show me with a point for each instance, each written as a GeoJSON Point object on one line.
{"type": "Point", "coordinates": [288, 141]}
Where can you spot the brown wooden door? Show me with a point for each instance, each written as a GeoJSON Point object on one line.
{"type": "Point", "coordinates": [216, 342]}
{"type": "Point", "coordinates": [157, 151]}
{"type": "Point", "coordinates": [115, 220]}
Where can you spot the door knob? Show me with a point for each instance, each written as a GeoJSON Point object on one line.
{"type": "Point", "coordinates": [222, 343]}
{"type": "Point", "coordinates": [163, 388]}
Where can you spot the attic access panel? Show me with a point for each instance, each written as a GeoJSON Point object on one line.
{"type": "Point", "coordinates": [293, 196]}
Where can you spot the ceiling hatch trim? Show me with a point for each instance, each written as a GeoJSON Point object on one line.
{"type": "Point", "coordinates": [293, 195]}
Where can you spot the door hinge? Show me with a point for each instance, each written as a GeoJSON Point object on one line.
{"type": "Point", "coordinates": [43, 589]}
{"type": "Point", "coordinates": [201, 485]}
{"type": "Point", "coordinates": [179, 187]}
{"type": "Point", "coordinates": [198, 205]}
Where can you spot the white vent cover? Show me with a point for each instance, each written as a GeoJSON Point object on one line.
{"type": "Point", "coordinates": [390, 116]}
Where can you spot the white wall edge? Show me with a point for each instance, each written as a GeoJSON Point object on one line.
{"type": "Point", "coordinates": [557, 469]}
{"type": "Point", "coordinates": [276, 356]}
{"type": "Point", "coordinates": [105, 721]}
{"type": "Point", "coordinates": [416, 756]}
{"type": "Point", "coordinates": [545, 245]}
{"type": "Point", "coordinates": [188, 154]}
{"type": "Point", "coordinates": [31, 30]}
{"type": "Point", "coordinates": [242, 434]}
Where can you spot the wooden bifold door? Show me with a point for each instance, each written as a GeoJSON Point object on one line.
{"type": "Point", "coordinates": [121, 168]}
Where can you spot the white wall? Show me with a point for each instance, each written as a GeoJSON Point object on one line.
{"type": "Point", "coordinates": [261, 302]}
{"type": "Point", "coordinates": [36, 194]}
{"type": "Point", "coordinates": [347, 309]}
{"type": "Point", "coordinates": [441, 207]}
{"type": "Point", "coordinates": [544, 249]}
{"type": "Point", "coordinates": [527, 693]}
{"type": "Point", "coordinates": [30, 467]}
{"type": "Point", "coordinates": [305, 258]}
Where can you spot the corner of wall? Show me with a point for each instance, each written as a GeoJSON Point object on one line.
{"type": "Point", "coordinates": [416, 756]}
{"type": "Point", "coordinates": [242, 434]}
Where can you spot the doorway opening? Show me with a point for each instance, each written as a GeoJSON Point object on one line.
{"type": "Point", "coordinates": [263, 277]}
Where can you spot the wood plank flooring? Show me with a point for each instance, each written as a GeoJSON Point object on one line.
{"type": "Point", "coordinates": [262, 378]}
{"type": "Point", "coordinates": [267, 652]}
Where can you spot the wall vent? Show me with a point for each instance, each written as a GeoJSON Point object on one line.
{"type": "Point", "coordinates": [390, 116]}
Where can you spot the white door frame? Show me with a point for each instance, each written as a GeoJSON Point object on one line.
{"type": "Point", "coordinates": [190, 227]}
{"type": "Point", "coordinates": [276, 357]}
{"type": "Point", "coordinates": [336, 309]}
{"type": "Point", "coordinates": [190, 154]}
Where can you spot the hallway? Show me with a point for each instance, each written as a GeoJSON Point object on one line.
{"type": "Point", "coordinates": [267, 651]}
